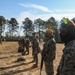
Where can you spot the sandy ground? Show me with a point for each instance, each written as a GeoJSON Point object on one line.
{"type": "Point", "coordinates": [9, 55]}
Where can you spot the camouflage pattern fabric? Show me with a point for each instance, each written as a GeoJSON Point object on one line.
{"type": "Point", "coordinates": [50, 47]}
{"type": "Point", "coordinates": [27, 46]}
{"type": "Point", "coordinates": [49, 68]}
{"type": "Point", "coordinates": [67, 63]}
{"type": "Point", "coordinates": [21, 43]}
{"type": "Point", "coordinates": [35, 45]}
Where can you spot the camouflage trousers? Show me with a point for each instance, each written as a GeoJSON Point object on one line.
{"type": "Point", "coordinates": [49, 68]}
{"type": "Point", "coordinates": [36, 58]}
{"type": "Point", "coordinates": [32, 51]}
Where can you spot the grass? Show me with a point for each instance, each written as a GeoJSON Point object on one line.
{"type": "Point", "coordinates": [9, 54]}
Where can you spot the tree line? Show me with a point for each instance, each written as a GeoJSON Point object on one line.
{"type": "Point", "coordinates": [28, 26]}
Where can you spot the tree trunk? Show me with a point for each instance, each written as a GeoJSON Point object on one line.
{"type": "Point", "coordinates": [26, 32]}
{"type": "Point", "coordinates": [42, 31]}
{"type": "Point", "coordinates": [39, 33]}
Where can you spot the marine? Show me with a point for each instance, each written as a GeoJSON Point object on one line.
{"type": "Point", "coordinates": [35, 47]}
{"type": "Point", "coordinates": [49, 51]}
{"type": "Point", "coordinates": [21, 43]}
{"type": "Point", "coordinates": [27, 45]}
{"type": "Point", "coordinates": [67, 62]}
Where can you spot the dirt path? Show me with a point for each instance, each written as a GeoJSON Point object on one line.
{"type": "Point", "coordinates": [9, 55]}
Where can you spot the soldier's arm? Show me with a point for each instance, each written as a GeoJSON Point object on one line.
{"type": "Point", "coordinates": [68, 61]}
{"type": "Point", "coordinates": [51, 52]}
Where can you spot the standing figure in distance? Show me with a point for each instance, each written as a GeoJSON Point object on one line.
{"type": "Point", "coordinates": [21, 43]}
{"type": "Point", "coordinates": [27, 45]}
{"type": "Point", "coordinates": [49, 51]}
{"type": "Point", "coordinates": [35, 47]}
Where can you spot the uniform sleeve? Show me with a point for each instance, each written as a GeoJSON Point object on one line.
{"type": "Point", "coordinates": [67, 63]}
{"type": "Point", "coordinates": [50, 55]}
{"type": "Point", "coordinates": [37, 46]}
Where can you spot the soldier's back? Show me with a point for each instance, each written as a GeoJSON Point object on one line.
{"type": "Point", "coordinates": [67, 64]}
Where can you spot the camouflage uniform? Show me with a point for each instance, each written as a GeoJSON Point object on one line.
{"type": "Point", "coordinates": [35, 46]}
{"type": "Point", "coordinates": [67, 64]}
{"type": "Point", "coordinates": [50, 50]}
{"type": "Point", "coordinates": [21, 43]}
{"type": "Point", "coordinates": [27, 45]}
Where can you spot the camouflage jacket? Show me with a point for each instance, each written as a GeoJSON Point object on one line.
{"type": "Point", "coordinates": [27, 42]}
{"type": "Point", "coordinates": [67, 63]}
{"type": "Point", "coordinates": [35, 45]}
{"type": "Point", "coordinates": [50, 49]}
